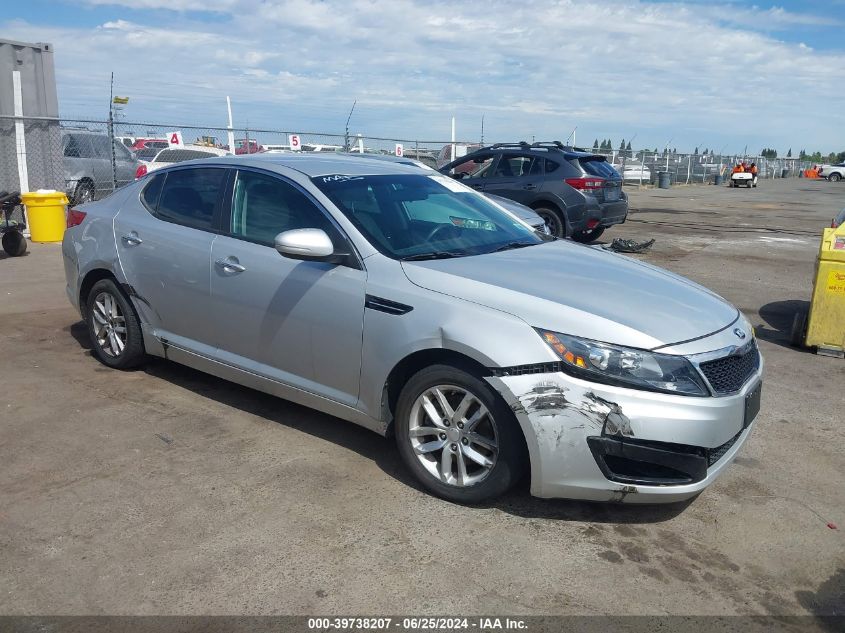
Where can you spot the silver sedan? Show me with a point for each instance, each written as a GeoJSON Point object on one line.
{"type": "Point", "coordinates": [407, 303]}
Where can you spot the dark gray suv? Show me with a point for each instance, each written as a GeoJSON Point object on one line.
{"type": "Point", "coordinates": [577, 193]}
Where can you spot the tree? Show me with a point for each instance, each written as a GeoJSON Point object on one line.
{"type": "Point", "coordinates": [655, 150]}
{"type": "Point", "coordinates": [596, 144]}
{"type": "Point", "coordinates": [602, 146]}
{"type": "Point", "coordinates": [789, 153]}
{"type": "Point", "coordinates": [802, 154]}
{"type": "Point", "coordinates": [622, 144]}
{"type": "Point", "coordinates": [696, 152]}
{"type": "Point", "coordinates": [628, 147]}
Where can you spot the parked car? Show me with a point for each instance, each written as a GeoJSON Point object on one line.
{"type": "Point", "coordinates": [248, 146]}
{"type": "Point", "coordinates": [444, 156]}
{"type": "Point", "coordinates": [172, 155]}
{"type": "Point", "coordinates": [88, 165]}
{"type": "Point", "coordinates": [633, 172]}
{"type": "Point", "coordinates": [524, 213]}
{"type": "Point", "coordinates": [838, 220]}
{"type": "Point", "coordinates": [409, 304]}
{"type": "Point", "coordinates": [578, 194]}
{"type": "Point", "coordinates": [150, 143]}
{"type": "Point", "coordinates": [834, 173]}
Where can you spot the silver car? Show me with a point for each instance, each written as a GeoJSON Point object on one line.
{"type": "Point", "coordinates": [409, 304]}
{"type": "Point", "coordinates": [87, 162]}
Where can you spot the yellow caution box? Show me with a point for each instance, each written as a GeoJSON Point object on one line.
{"type": "Point", "coordinates": [826, 319]}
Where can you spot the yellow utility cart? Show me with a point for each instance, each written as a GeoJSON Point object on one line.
{"type": "Point", "coordinates": [823, 326]}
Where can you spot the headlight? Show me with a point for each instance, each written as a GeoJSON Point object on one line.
{"type": "Point", "coordinates": [623, 366]}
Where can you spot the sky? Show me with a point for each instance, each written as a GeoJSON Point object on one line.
{"type": "Point", "coordinates": [720, 74]}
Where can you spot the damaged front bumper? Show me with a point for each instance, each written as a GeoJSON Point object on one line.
{"type": "Point", "coordinates": [606, 443]}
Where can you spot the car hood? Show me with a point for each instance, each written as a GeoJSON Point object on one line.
{"type": "Point", "coordinates": [583, 291]}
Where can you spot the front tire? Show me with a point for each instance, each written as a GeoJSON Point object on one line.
{"type": "Point", "coordinates": [585, 237]}
{"type": "Point", "coordinates": [113, 326]}
{"type": "Point", "coordinates": [84, 192]}
{"type": "Point", "coordinates": [835, 177]}
{"type": "Point", "coordinates": [457, 436]}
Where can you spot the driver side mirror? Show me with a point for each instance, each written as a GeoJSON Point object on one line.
{"type": "Point", "coordinates": [309, 245]}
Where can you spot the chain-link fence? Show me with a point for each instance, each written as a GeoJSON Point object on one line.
{"type": "Point", "coordinates": [89, 158]}
{"type": "Point", "coordinates": [642, 167]}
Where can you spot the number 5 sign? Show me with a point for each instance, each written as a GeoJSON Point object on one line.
{"type": "Point", "coordinates": [399, 150]}
{"type": "Point", "coordinates": [174, 139]}
{"type": "Point", "coordinates": [295, 142]}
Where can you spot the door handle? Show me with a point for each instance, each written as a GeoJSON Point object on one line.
{"type": "Point", "coordinates": [132, 239]}
{"type": "Point", "coordinates": [529, 187]}
{"type": "Point", "coordinates": [230, 265]}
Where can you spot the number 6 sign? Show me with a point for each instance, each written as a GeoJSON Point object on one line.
{"type": "Point", "coordinates": [399, 150]}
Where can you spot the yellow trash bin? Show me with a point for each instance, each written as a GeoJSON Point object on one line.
{"type": "Point", "coordinates": [825, 325]}
{"type": "Point", "coordinates": [46, 213]}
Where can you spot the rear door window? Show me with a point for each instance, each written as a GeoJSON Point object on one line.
{"type": "Point", "coordinates": [190, 196]}
{"type": "Point", "coordinates": [72, 146]}
{"type": "Point", "coordinates": [151, 193]}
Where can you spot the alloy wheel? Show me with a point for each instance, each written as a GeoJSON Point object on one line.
{"type": "Point", "coordinates": [453, 435]}
{"type": "Point", "coordinates": [109, 325]}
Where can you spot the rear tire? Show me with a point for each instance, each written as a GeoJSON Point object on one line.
{"type": "Point", "coordinates": [113, 326]}
{"type": "Point", "coordinates": [835, 177]}
{"type": "Point", "coordinates": [14, 243]}
{"type": "Point", "coordinates": [586, 237]}
{"type": "Point", "coordinates": [554, 220]}
{"type": "Point", "coordinates": [457, 436]}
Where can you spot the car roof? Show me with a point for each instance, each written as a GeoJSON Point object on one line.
{"type": "Point", "coordinates": [315, 164]}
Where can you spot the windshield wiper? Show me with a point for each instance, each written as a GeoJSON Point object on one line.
{"type": "Point", "coordinates": [511, 245]}
{"type": "Point", "coordinates": [435, 255]}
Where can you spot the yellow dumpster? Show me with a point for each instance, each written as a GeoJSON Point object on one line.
{"type": "Point", "coordinates": [46, 213]}
{"type": "Point", "coordinates": [824, 326]}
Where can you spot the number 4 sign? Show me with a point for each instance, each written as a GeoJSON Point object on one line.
{"type": "Point", "coordinates": [399, 150]}
{"type": "Point", "coordinates": [174, 139]}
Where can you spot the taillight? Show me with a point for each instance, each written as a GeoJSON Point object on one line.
{"type": "Point", "coordinates": [585, 183]}
{"type": "Point", "coordinates": [141, 171]}
{"type": "Point", "coordinates": [74, 217]}
{"type": "Point", "coordinates": [591, 224]}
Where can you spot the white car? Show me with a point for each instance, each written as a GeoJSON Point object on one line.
{"type": "Point", "coordinates": [634, 172]}
{"type": "Point", "coordinates": [834, 173]}
{"type": "Point", "coordinates": [172, 155]}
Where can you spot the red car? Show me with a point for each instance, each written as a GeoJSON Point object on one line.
{"type": "Point", "coordinates": [250, 146]}
{"type": "Point", "coordinates": [150, 143]}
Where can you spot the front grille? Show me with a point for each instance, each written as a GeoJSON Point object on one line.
{"type": "Point", "coordinates": [715, 454]}
{"type": "Point", "coordinates": [729, 374]}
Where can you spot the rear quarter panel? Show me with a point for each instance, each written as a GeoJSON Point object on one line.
{"type": "Point", "coordinates": [91, 245]}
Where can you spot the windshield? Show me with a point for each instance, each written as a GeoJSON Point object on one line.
{"type": "Point", "coordinates": [419, 216]}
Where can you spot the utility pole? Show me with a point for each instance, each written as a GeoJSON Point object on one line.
{"type": "Point", "coordinates": [111, 135]}
{"type": "Point", "coordinates": [482, 129]}
{"type": "Point", "coordinates": [346, 135]}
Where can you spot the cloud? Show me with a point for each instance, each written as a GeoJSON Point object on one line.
{"type": "Point", "coordinates": [695, 72]}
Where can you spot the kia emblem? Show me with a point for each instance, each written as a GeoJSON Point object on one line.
{"type": "Point", "coordinates": [739, 333]}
